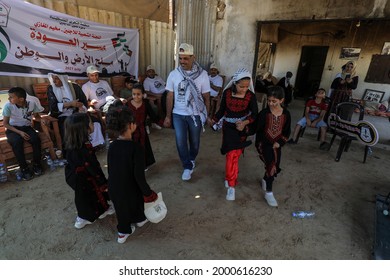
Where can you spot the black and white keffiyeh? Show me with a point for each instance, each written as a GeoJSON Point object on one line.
{"type": "Point", "coordinates": [195, 99]}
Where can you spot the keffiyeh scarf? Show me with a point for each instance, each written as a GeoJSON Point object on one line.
{"type": "Point", "coordinates": [195, 99]}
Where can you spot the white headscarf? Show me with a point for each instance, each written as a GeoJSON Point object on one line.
{"type": "Point", "coordinates": [240, 74]}
{"type": "Point", "coordinates": [63, 94]}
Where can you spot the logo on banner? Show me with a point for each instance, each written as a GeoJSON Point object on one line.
{"type": "Point", "coordinates": [363, 130]}
{"type": "Point", "coordinates": [4, 38]}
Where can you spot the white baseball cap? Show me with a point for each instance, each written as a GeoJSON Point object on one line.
{"type": "Point", "coordinates": [186, 49]}
{"type": "Point", "coordinates": [150, 67]}
{"type": "Point", "coordinates": [92, 69]}
{"type": "Point", "coordinates": [213, 66]}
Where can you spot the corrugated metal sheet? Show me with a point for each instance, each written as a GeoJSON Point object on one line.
{"type": "Point", "coordinates": [156, 39]}
{"type": "Point", "coordinates": [196, 25]}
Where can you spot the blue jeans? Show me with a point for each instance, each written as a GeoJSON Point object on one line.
{"type": "Point", "coordinates": [186, 131]}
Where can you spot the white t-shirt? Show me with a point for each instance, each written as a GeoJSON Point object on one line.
{"type": "Point", "coordinates": [155, 85]}
{"type": "Point", "coordinates": [174, 81]}
{"type": "Point", "coordinates": [21, 116]}
{"type": "Point", "coordinates": [36, 101]}
{"type": "Point", "coordinates": [98, 91]}
{"type": "Point", "coordinates": [216, 81]}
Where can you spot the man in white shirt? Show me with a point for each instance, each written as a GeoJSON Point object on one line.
{"type": "Point", "coordinates": [216, 83]}
{"type": "Point", "coordinates": [154, 87]}
{"type": "Point", "coordinates": [189, 86]}
{"type": "Point", "coordinates": [96, 91]}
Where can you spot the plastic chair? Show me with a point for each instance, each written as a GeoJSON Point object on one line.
{"type": "Point", "coordinates": [345, 111]}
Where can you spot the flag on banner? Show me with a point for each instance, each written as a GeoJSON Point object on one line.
{"type": "Point", "coordinates": [127, 50]}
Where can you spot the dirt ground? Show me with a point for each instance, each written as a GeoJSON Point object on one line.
{"type": "Point", "coordinates": [37, 217]}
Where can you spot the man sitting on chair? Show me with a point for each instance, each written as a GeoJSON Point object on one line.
{"type": "Point", "coordinates": [66, 98]}
{"type": "Point", "coordinates": [155, 87]}
{"type": "Point", "coordinates": [216, 83]}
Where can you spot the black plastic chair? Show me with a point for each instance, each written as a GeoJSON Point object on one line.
{"type": "Point", "coordinates": [302, 130]}
{"type": "Point", "coordinates": [345, 111]}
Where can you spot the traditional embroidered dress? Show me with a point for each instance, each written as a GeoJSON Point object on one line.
{"type": "Point", "coordinates": [85, 176]}
{"type": "Point", "coordinates": [140, 135]}
{"type": "Point", "coordinates": [272, 129]}
{"type": "Point", "coordinates": [232, 110]}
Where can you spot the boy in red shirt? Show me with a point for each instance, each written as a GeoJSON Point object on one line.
{"type": "Point", "coordinates": [314, 115]}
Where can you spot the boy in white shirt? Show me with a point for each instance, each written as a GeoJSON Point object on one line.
{"type": "Point", "coordinates": [17, 117]}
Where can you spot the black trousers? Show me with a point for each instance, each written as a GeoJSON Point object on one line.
{"type": "Point", "coordinates": [17, 143]}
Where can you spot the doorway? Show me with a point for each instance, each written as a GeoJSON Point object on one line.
{"type": "Point", "coordinates": [311, 66]}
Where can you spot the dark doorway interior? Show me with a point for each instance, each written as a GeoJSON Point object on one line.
{"type": "Point", "coordinates": [310, 70]}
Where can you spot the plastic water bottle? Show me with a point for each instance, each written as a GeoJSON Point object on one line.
{"type": "Point", "coordinates": [18, 175]}
{"type": "Point", "coordinates": [303, 214]}
{"type": "Point", "coordinates": [50, 163]}
{"type": "Point", "coordinates": [3, 173]}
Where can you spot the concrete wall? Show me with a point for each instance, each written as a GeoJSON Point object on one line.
{"type": "Point", "coordinates": [235, 37]}
{"type": "Point", "coordinates": [369, 36]}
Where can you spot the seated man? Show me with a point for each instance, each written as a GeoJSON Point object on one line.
{"type": "Point", "coordinates": [315, 110]}
{"type": "Point", "coordinates": [66, 98]}
{"type": "Point", "coordinates": [216, 83]}
{"type": "Point", "coordinates": [96, 91]}
{"type": "Point", "coordinates": [17, 117]}
{"type": "Point", "coordinates": [155, 87]}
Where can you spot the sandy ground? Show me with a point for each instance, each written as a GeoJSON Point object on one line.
{"type": "Point", "coordinates": [37, 217]}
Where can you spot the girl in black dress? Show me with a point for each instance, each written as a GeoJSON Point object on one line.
{"type": "Point", "coordinates": [141, 111]}
{"type": "Point", "coordinates": [127, 185]}
{"type": "Point", "coordinates": [273, 130]}
{"type": "Point", "coordinates": [83, 172]}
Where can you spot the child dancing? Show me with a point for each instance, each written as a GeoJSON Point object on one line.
{"type": "Point", "coordinates": [238, 109]}
{"type": "Point", "coordinates": [83, 172]}
{"type": "Point", "coordinates": [273, 130]}
{"type": "Point", "coordinates": [141, 110]}
{"type": "Point", "coordinates": [127, 185]}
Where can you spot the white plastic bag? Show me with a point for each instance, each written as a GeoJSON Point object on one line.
{"type": "Point", "coordinates": [156, 211]}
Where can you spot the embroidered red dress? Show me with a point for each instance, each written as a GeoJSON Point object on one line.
{"type": "Point", "coordinates": [140, 135]}
{"type": "Point", "coordinates": [271, 129]}
{"type": "Point", "coordinates": [233, 109]}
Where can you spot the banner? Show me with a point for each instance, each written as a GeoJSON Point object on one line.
{"type": "Point", "coordinates": [35, 41]}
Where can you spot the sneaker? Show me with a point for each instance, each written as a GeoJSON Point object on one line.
{"type": "Point", "coordinates": [231, 194]}
{"type": "Point", "coordinates": [186, 174]}
{"type": "Point", "coordinates": [291, 141]}
{"type": "Point", "coordinates": [123, 236]}
{"type": "Point", "coordinates": [26, 174]}
{"type": "Point", "coordinates": [264, 185]}
{"type": "Point", "coordinates": [140, 224]}
{"type": "Point", "coordinates": [37, 169]}
{"type": "Point", "coordinates": [156, 126]}
{"type": "Point", "coordinates": [147, 129]}
{"type": "Point", "coordinates": [269, 196]}
{"type": "Point", "coordinates": [109, 211]}
{"type": "Point", "coordinates": [80, 223]}
{"type": "Point", "coordinates": [226, 184]}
